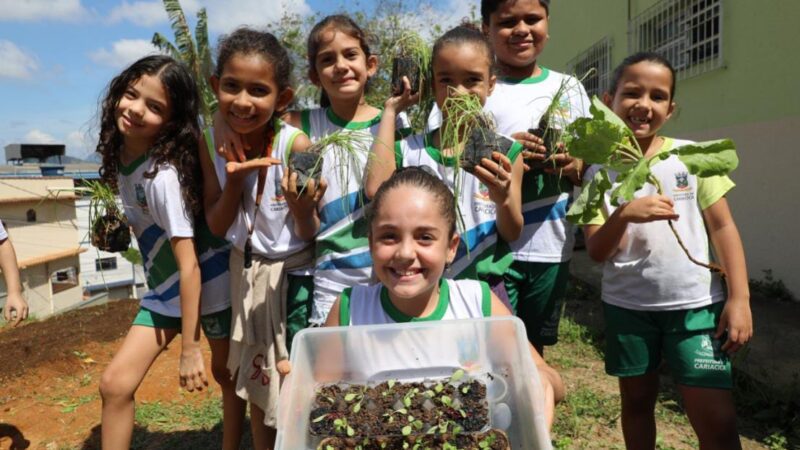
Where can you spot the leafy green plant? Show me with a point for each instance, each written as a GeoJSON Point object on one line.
{"type": "Point", "coordinates": [412, 59]}
{"type": "Point", "coordinates": [604, 139]}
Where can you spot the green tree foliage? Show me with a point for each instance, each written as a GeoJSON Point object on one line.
{"type": "Point", "coordinates": [195, 52]}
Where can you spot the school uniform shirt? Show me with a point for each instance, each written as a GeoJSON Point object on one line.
{"type": "Point", "coordinates": [518, 105]}
{"type": "Point", "coordinates": [381, 354]}
{"type": "Point", "coordinates": [342, 249]}
{"type": "Point", "coordinates": [156, 211]}
{"type": "Point", "coordinates": [3, 232]}
{"type": "Point", "coordinates": [273, 233]}
{"type": "Point", "coordinates": [480, 253]}
{"type": "Point", "coordinates": [651, 272]}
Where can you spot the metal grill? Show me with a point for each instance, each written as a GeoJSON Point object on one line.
{"type": "Point", "coordinates": [597, 57]}
{"type": "Point", "coordinates": [687, 32]}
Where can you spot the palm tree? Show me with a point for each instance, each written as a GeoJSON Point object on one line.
{"type": "Point", "coordinates": [195, 53]}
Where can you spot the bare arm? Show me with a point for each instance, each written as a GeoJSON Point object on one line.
{"type": "Point", "coordinates": [192, 370]}
{"type": "Point", "coordinates": [15, 302]}
{"type": "Point", "coordinates": [381, 163]}
{"type": "Point", "coordinates": [603, 241]}
{"type": "Point", "coordinates": [736, 317]}
{"type": "Point", "coordinates": [504, 181]}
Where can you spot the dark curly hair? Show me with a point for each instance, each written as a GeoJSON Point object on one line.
{"type": "Point", "coordinates": [423, 178]}
{"type": "Point", "coordinates": [176, 144]}
{"type": "Point", "coordinates": [247, 41]}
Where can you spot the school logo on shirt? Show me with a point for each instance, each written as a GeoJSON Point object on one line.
{"type": "Point", "coordinates": [682, 181]}
{"type": "Point", "coordinates": [141, 199]}
{"type": "Point", "coordinates": [682, 190]}
{"type": "Point", "coordinates": [483, 193]}
{"type": "Point", "coordinates": [278, 192]}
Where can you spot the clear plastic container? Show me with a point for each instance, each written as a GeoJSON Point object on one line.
{"type": "Point", "coordinates": [494, 350]}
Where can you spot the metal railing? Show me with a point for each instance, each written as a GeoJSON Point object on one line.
{"type": "Point", "coordinates": [597, 57]}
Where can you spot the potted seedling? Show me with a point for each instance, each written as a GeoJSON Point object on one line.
{"type": "Point", "coordinates": [605, 139]}
{"type": "Point", "coordinates": [347, 148]}
{"type": "Point", "coordinates": [412, 60]}
{"type": "Point", "coordinates": [107, 224]}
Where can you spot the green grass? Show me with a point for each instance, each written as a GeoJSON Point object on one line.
{"type": "Point", "coordinates": [158, 416]}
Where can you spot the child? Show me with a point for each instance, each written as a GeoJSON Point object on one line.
{"type": "Point", "coordinates": [259, 210]}
{"type": "Point", "coordinates": [148, 141]}
{"type": "Point", "coordinates": [655, 300]}
{"type": "Point", "coordinates": [412, 237]}
{"type": "Point", "coordinates": [340, 63]}
{"type": "Point", "coordinates": [537, 280]}
{"type": "Point", "coordinates": [489, 200]}
{"type": "Point", "coordinates": [16, 309]}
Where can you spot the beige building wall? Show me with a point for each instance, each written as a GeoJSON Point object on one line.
{"type": "Point", "coordinates": [47, 246]}
{"type": "Point", "coordinates": [764, 202]}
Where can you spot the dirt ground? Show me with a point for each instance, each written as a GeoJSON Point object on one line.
{"type": "Point", "coordinates": [51, 370]}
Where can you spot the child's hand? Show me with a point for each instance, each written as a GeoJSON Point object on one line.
{"type": "Point", "coordinates": [302, 203]}
{"type": "Point", "coordinates": [648, 209]}
{"type": "Point", "coordinates": [16, 309]}
{"type": "Point", "coordinates": [496, 176]}
{"type": "Point", "coordinates": [403, 101]}
{"type": "Point", "coordinates": [229, 144]}
{"type": "Point", "coordinates": [533, 146]}
{"type": "Point", "coordinates": [237, 171]}
{"type": "Point", "coordinates": [192, 369]}
{"type": "Point", "coordinates": [737, 319]}
{"type": "Point", "coordinates": [566, 165]}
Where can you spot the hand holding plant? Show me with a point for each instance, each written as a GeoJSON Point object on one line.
{"type": "Point", "coordinates": [402, 101]}
{"type": "Point", "coordinates": [648, 209]}
{"type": "Point", "coordinates": [496, 175]}
{"type": "Point", "coordinates": [304, 202]}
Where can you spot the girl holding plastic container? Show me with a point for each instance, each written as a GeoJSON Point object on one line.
{"type": "Point", "coordinates": [412, 238]}
{"type": "Point", "coordinates": [255, 203]}
{"type": "Point", "coordinates": [656, 302]}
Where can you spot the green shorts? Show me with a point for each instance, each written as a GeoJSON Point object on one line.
{"type": "Point", "coordinates": [215, 325]}
{"type": "Point", "coordinates": [298, 305]}
{"type": "Point", "coordinates": [636, 341]}
{"type": "Point", "coordinates": [536, 293]}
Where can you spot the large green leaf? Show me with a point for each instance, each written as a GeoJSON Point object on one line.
{"type": "Point", "coordinates": [602, 112]}
{"type": "Point", "coordinates": [594, 140]}
{"type": "Point", "coordinates": [630, 182]}
{"type": "Point", "coordinates": [183, 36]}
{"type": "Point", "coordinates": [706, 159]}
{"type": "Point", "coordinates": [203, 47]}
{"type": "Point", "coordinates": [590, 201]}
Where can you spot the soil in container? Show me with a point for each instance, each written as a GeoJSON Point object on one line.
{"type": "Point", "coordinates": [481, 143]}
{"type": "Point", "coordinates": [111, 233]}
{"type": "Point", "coordinates": [405, 66]}
{"type": "Point", "coordinates": [308, 165]}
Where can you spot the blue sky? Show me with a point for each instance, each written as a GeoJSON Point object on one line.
{"type": "Point", "coordinates": [58, 55]}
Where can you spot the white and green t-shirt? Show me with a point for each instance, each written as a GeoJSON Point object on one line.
{"type": "Point", "coordinates": [650, 272]}
{"type": "Point", "coordinates": [518, 105]}
{"type": "Point", "coordinates": [3, 233]}
{"type": "Point", "coordinates": [342, 249]}
{"type": "Point", "coordinates": [157, 213]}
{"type": "Point", "coordinates": [390, 354]}
{"type": "Point", "coordinates": [458, 299]}
{"type": "Point", "coordinates": [480, 253]}
{"type": "Point", "coordinates": [273, 235]}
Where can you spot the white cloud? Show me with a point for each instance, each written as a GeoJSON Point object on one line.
{"type": "Point", "coordinates": [223, 15]}
{"type": "Point", "coordinates": [39, 137]}
{"type": "Point", "coordinates": [16, 63]}
{"type": "Point", "coordinates": [446, 17]}
{"type": "Point", "coordinates": [80, 144]}
{"type": "Point", "coordinates": [36, 10]}
{"type": "Point", "coordinates": [142, 13]}
{"type": "Point", "coordinates": [123, 52]}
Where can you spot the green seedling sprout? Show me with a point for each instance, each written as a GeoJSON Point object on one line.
{"type": "Point", "coordinates": [487, 441]}
{"type": "Point", "coordinates": [605, 139]}
{"type": "Point", "coordinates": [412, 46]}
{"type": "Point", "coordinates": [457, 375]}
{"type": "Point", "coordinates": [103, 208]}
{"type": "Point", "coordinates": [345, 147]}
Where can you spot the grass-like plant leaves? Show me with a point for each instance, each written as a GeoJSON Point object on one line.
{"type": "Point", "coordinates": [606, 140]}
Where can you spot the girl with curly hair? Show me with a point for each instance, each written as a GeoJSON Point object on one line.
{"type": "Point", "coordinates": [149, 144]}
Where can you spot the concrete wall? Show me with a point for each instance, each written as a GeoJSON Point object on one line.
{"type": "Point", "coordinates": [752, 99]}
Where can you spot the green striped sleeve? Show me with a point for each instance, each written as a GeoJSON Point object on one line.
{"type": "Point", "coordinates": [514, 151]}
{"type": "Point", "coordinates": [486, 299]}
{"type": "Point", "coordinates": [344, 307]}
{"type": "Point", "coordinates": [305, 121]}
{"type": "Point", "coordinates": [398, 154]}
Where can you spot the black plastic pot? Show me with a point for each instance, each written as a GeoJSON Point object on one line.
{"type": "Point", "coordinates": [111, 233]}
{"type": "Point", "coordinates": [308, 165]}
{"type": "Point", "coordinates": [403, 66]}
{"type": "Point", "coordinates": [481, 143]}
